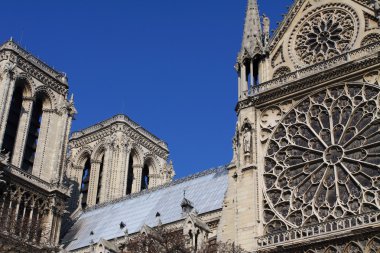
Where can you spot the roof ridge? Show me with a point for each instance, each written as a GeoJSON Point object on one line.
{"type": "Point", "coordinates": [160, 187]}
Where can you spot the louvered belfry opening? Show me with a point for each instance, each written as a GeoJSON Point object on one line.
{"type": "Point", "coordinates": [145, 177]}
{"type": "Point", "coordinates": [101, 168]}
{"type": "Point", "coordinates": [33, 134]}
{"type": "Point", "coordinates": [130, 174]}
{"type": "Point", "coordinates": [13, 120]}
{"type": "Point", "coordinates": [85, 182]}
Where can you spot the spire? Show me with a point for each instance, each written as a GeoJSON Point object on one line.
{"type": "Point", "coordinates": [252, 44]}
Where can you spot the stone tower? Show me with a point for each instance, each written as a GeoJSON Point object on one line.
{"type": "Point", "coordinates": [115, 158]}
{"type": "Point", "coordinates": [35, 121]}
{"type": "Point", "coordinates": [307, 142]}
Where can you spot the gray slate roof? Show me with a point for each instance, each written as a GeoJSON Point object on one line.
{"type": "Point", "coordinates": [205, 190]}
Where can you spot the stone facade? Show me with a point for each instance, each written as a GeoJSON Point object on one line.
{"type": "Point", "coordinates": [115, 158]}
{"type": "Point", "coordinates": [306, 147]}
{"type": "Point", "coordinates": [35, 121]}
{"type": "Point", "coordinates": [305, 171]}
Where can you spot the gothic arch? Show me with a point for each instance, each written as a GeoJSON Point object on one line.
{"type": "Point", "coordinates": [153, 162]}
{"type": "Point", "coordinates": [353, 247]}
{"type": "Point", "coordinates": [246, 124]}
{"type": "Point", "coordinates": [30, 86]}
{"type": "Point", "coordinates": [50, 101]}
{"type": "Point", "coordinates": [373, 245]}
{"type": "Point", "coordinates": [99, 151]}
{"type": "Point", "coordinates": [331, 249]}
{"type": "Point", "coordinates": [83, 154]}
{"type": "Point", "coordinates": [137, 152]}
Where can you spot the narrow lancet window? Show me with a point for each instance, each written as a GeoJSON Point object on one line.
{"type": "Point", "coordinates": [145, 177]}
{"type": "Point", "coordinates": [130, 175]}
{"type": "Point", "coordinates": [85, 183]}
{"type": "Point", "coordinates": [11, 128]}
{"type": "Point", "coordinates": [100, 180]}
{"type": "Point", "coordinates": [33, 133]}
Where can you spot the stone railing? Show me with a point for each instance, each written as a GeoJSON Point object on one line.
{"type": "Point", "coordinates": [318, 68]}
{"type": "Point", "coordinates": [26, 176]}
{"type": "Point", "coordinates": [362, 221]}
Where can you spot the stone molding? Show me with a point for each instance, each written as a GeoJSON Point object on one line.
{"type": "Point", "coordinates": [33, 66]}
{"type": "Point", "coordinates": [337, 228]}
{"type": "Point", "coordinates": [129, 127]}
{"type": "Point", "coordinates": [35, 181]}
{"type": "Point", "coordinates": [311, 76]}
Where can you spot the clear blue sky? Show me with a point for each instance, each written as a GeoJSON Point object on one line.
{"type": "Point", "coordinates": [167, 64]}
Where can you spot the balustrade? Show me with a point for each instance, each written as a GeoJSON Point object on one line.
{"type": "Point", "coordinates": [306, 232]}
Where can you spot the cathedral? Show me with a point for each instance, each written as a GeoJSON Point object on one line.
{"type": "Point", "coordinates": [305, 170]}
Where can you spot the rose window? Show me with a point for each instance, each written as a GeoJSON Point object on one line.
{"type": "Point", "coordinates": [323, 158]}
{"type": "Point", "coordinates": [325, 34]}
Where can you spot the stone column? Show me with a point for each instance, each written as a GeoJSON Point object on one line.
{"type": "Point", "coordinates": [43, 152]}
{"type": "Point", "coordinates": [65, 139]}
{"type": "Point", "coordinates": [46, 226]}
{"type": "Point", "coordinates": [57, 231]}
{"type": "Point", "coordinates": [107, 168]}
{"type": "Point", "coordinates": [6, 93]}
{"type": "Point", "coordinates": [30, 220]}
{"type": "Point", "coordinates": [121, 167]}
{"type": "Point", "coordinates": [243, 80]}
{"type": "Point", "coordinates": [22, 132]}
{"type": "Point", "coordinates": [93, 185]}
{"type": "Point", "coordinates": [137, 172]}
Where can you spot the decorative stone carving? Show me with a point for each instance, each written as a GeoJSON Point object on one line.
{"type": "Point", "coordinates": [247, 138]}
{"type": "Point", "coordinates": [270, 117]}
{"type": "Point", "coordinates": [9, 69]}
{"type": "Point", "coordinates": [323, 158]}
{"type": "Point", "coordinates": [266, 29]}
{"type": "Point", "coordinates": [282, 71]}
{"type": "Point", "coordinates": [278, 58]}
{"type": "Point", "coordinates": [372, 77]}
{"type": "Point", "coordinates": [325, 32]}
{"type": "Point", "coordinates": [370, 38]}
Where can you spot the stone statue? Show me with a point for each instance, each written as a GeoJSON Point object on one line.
{"type": "Point", "coordinates": [247, 140]}
{"type": "Point", "coordinates": [266, 29]}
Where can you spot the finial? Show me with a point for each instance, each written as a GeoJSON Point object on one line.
{"type": "Point", "coordinates": [11, 39]}
{"type": "Point", "coordinates": [72, 97]}
{"type": "Point", "coordinates": [122, 225]}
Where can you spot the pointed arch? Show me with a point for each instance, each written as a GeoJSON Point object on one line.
{"type": "Point", "coordinates": [85, 182]}
{"type": "Point", "coordinates": [99, 156]}
{"type": "Point", "coordinates": [149, 172]}
{"type": "Point", "coordinates": [22, 91]}
{"type": "Point", "coordinates": [353, 247]}
{"type": "Point", "coordinates": [133, 161]}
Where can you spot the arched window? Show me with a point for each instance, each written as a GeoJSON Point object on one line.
{"type": "Point", "coordinates": [145, 177]}
{"type": "Point", "coordinates": [14, 115]}
{"type": "Point", "coordinates": [85, 182]}
{"type": "Point", "coordinates": [33, 133]}
{"type": "Point", "coordinates": [101, 166]}
{"type": "Point", "coordinates": [130, 175]}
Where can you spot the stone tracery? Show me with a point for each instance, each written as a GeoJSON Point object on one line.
{"type": "Point", "coordinates": [324, 34]}
{"type": "Point", "coordinates": [322, 160]}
